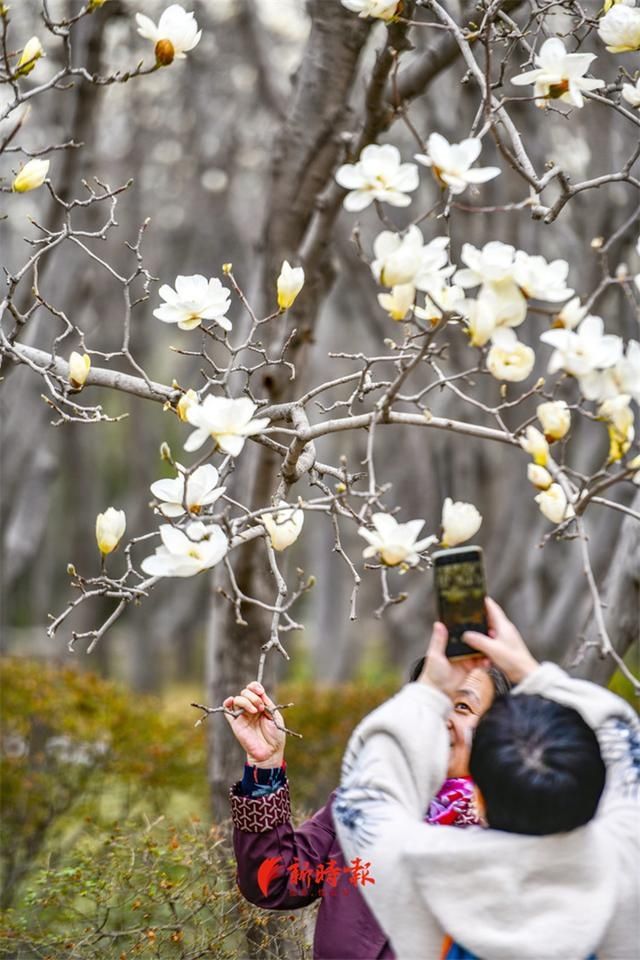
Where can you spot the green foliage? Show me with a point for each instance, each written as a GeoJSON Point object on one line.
{"type": "Point", "coordinates": [73, 743]}
{"type": "Point", "coordinates": [155, 890]}
{"type": "Point", "coordinates": [102, 851]}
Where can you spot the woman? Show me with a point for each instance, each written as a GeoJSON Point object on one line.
{"type": "Point", "coordinates": [282, 868]}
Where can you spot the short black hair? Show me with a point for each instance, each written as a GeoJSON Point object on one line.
{"type": "Point", "coordinates": [501, 683]}
{"type": "Point", "coordinates": [538, 766]}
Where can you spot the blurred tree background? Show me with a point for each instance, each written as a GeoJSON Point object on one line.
{"type": "Point", "coordinates": [217, 146]}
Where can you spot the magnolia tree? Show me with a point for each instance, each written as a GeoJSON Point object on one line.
{"type": "Point", "coordinates": [454, 318]}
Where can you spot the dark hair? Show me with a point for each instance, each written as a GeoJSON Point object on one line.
{"type": "Point", "coordinates": [501, 683]}
{"type": "Point", "coordinates": [538, 766]}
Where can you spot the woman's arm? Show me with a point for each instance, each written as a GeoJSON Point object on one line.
{"type": "Point", "coordinates": [279, 868]}
{"type": "Point", "coordinates": [277, 864]}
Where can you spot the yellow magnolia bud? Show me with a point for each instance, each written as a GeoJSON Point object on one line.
{"type": "Point", "coordinates": [165, 452]}
{"type": "Point", "coordinates": [535, 445]}
{"type": "Point", "coordinates": [31, 53]}
{"type": "Point", "coordinates": [32, 176]}
{"type": "Point", "coordinates": [619, 442]}
{"type": "Point", "coordinates": [186, 400]}
{"type": "Point", "coordinates": [165, 52]}
{"type": "Point", "coordinates": [555, 418]}
{"type": "Point", "coordinates": [620, 423]}
{"type": "Point", "coordinates": [79, 366]}
{"type": "Point", "coordinates": [96, 4]}
{"type": "Point", "coordinates": [290, 283]}
{"type": "Point", "coordinates": [340, 487]}
{"type": "Point", "coordinates": [71, 570]}
{"type": "Point", "coordinates": [227, 268]}
{"type": "Point", "coordinates": [110, 527]}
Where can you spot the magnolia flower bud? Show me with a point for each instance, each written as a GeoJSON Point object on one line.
{"type": "Point", "coordinates": [165, 52]}
{"type": "Point", "coordinates": [32, 176]}
{"type": "Point", "coordinates": [165, 452]}
{"type": "Point", "coordinates": [284, 526]}
{"type": "Point", "coordinates": [186, 400]}
{"type": "Point", "coordinates": [535, 445]}
{"type": "Point", "coordinates": [460, 521]}
{"type": "Point", "coordinates": [110, 527]}
{"type": "Point", "coordinates": [538, 476]}
{"type": "Point", "coordinates": [79, 366]}
{"type": "Point", "coordinates": [290, 283]}
{"type": "Point", "coordinates": [620, 419]}
{"type": "Point", "coordinates": [227, 268]}
{"type": "Point", "coordinates": [553, 503]}
{"type": "Point", "coordinates": [555, 418]}
{"type": "Point", "coordinates": [32, 52]}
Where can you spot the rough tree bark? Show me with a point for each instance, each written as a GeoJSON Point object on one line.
{"type": "Point", "coordinates": [304, 156]}
{"type": "Point", "coordinates": [622, 614]}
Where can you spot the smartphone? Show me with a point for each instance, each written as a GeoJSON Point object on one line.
{"type": "Point", "coordinates": [461, 589]}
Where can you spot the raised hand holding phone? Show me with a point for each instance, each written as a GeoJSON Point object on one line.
{"type": "Point", "coordinates": [442, 672]}
{"type": "Point", "coordinates": [503, 644]}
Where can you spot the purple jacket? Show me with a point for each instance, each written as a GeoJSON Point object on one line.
{"type": "Point", "coordinates": [345, 926]}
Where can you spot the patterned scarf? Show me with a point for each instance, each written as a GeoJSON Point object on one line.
{"type": "Point", "coordinates": [453, 804]}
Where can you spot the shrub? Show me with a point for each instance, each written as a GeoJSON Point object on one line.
{"type": "Point", "coordinates": [146, 890]}
{"type": "Point", "coordinates": [73, 743]}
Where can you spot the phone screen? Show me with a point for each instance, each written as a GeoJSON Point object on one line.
{"type": "Point", "coordinates": [460, 584]}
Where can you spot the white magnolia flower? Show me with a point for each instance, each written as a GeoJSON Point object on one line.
{"type": "Point", "coordinates": [194, 299]}
{"type": "Point", "coordinates": [381, 9]}
{"type": "Point", "coordinates": [33, 175]}
{"type": "Point", "coordinates": [399, 302]}
{"type": "Point", "coordinates": [559, 75]}
{"type": "Point", "coordinates": [79, 366]}
{"type": "Point", "coordinates": [480, 317]}
{"type": "Point", "coordinates": [380, 175]}
{"type": "Point", "coordinates": [451, 163]}
{"type": "Point", "coordinates": [535, 445]}
{"type": "Point", "coordinates": [31, 53]}
{"type": "Point", "coordinates": [226, 421]}
{"type": "Point", "coordinates": [290, 283]}
{"type": "Point", "coordinates": [620, 28]}
{"type": "Point", "coordinates": [201, 491]}
{"type": "Point", "coordinates": [284, 526]}
{"type": "Point", "coordinates": [540, 280]}
{"type": "Point", "coordinates": [110, 527]}
{"type": "Point", "coordinates": [580, 351]}
{"type": "Point", "coordinates": [184, 554]}
{"type": "Point", "coordinates": [493, 265]}
{"type": "Point", "coordinates": [439, 296]}
{"type": "Point", "coordinates": [186, 400]}
{"type": "Point", "coordinates": [394, 542]}
{"type": "Point", "coordinates": [618, 411]}
{"type": "Point", "coordinates": [570, 315]}
{"type": "Point", "coordinates": [460, 521]}
{"type": "Point", "coordinates": [631, 93]}
{"type": "Point", "coordinates": [508, 359]}
{"type": "Point", "coordinates": [538, 476]}
{"type": "Point", "coordinates": [409, 259]}
{"type": "Point", "coordinates": [553, 503]}
{"type": "Point", "coordinates": [555, 418]}
{"type": "Point", "coordinates": [503, 302]}
{"type": "Point", "coordinates": [623, 377]}
{"type": "Point", "coordinates": [176, 33]}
